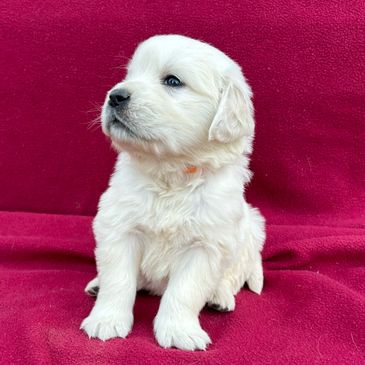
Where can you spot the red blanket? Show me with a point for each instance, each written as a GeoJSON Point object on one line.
{"type": "Point", "coordinates": [305, 62]}
{"type": "Point", "coordinates": [312, 310]}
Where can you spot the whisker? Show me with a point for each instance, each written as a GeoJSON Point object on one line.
{"type": "Point", "coordinates": [93, 124]}
{"type": "Point", "coordinates": [95, 108]}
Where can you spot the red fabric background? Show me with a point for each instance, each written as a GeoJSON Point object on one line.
{"type": "Point", "coordinates": [305, 62]}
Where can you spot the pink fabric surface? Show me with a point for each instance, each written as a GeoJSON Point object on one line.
{"type": "Point", "coordinates": [312, 310]}
{"type": "Point", "coordinates": [305, 62]}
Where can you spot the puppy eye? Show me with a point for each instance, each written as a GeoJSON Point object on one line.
{"type": "Point", "coordinates": [172, 81]}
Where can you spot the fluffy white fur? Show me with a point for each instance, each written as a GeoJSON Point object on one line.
{"type": "Point", "coordinates": [190, 237]}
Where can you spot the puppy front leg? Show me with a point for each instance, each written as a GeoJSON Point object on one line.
{"type": "Point", "coordinates": [118, 265]}
{"type": "Point", "coordinates": [192, 280]}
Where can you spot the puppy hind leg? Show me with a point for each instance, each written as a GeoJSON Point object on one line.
{"type": "Point", "coordinates": [248, 267]}
{"type": "Point", "coordinates": [249, 271]}
{"type": "Point", "coordinates": [223, 298]}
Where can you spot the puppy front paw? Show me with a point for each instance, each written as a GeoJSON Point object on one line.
{"type": "Point", "coordinates": [182, 334]}
{"type": "Point", "coordinates": [105, 326]}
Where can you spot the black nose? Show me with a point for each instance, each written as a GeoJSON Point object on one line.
{"type": "Point", "coordinates": [119, 97]}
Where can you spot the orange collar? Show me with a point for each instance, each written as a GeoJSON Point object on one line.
{"type": "Point", "coordinates": [191, 169]}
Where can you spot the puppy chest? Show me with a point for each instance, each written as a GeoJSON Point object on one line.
{"type": "Point", "coordinates": [170, 216]}
{"type": "Point", "coordinates": [160, 253]}
{"type": "Point", "coordinates": [168, 227]}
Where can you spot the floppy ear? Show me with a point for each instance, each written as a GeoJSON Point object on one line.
{"type": "Point", "coordinates": [234, 118]}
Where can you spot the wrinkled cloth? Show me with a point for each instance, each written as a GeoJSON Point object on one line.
{"type": "Point", "coordinates": [312, 310]}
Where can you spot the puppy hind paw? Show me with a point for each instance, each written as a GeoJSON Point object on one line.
{"type": "Point", "coordinates": [92, 287]}
{"type": "Point", "coordinates": [222, 300]}
{"type": "Point", "coordinates": [217, 307]}
{"type": "Point", "coordinates": [93, 292]}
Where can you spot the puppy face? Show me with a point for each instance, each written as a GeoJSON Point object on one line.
{"type": "Point", "coordinates": [179, 96]}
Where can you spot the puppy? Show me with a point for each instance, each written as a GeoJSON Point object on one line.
{"type": "Point", "coordinates": [174, 220]}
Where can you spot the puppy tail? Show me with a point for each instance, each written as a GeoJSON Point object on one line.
{"type": "Point", "coordinates": [256, 280]}
{"type": "Point", "coordinates": [255, 233]}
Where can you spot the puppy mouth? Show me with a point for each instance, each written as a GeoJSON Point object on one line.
{"type": "Point", "coordinates": [120, 124]}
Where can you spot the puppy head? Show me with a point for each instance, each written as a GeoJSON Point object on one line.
{"type": "Point", "coordinates": [180, 96]}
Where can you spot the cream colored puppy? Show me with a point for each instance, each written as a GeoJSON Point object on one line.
{"type": "Point", "coordinates": [174, 220]}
